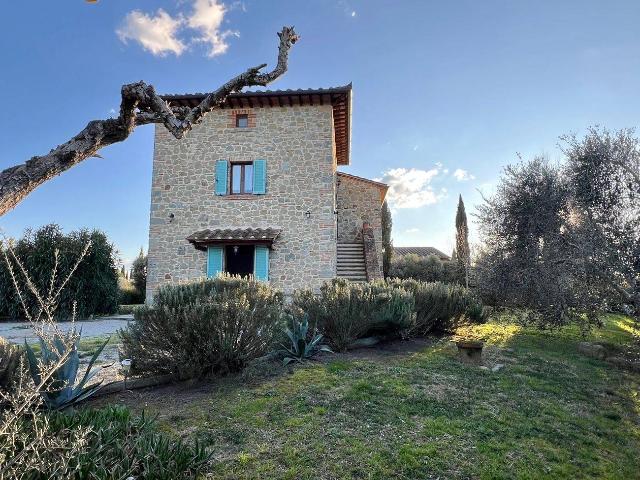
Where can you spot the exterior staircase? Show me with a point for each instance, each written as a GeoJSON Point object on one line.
{"type": "Point", "coordinates": [351, 262]}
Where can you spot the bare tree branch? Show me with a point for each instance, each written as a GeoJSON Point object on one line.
{"type": "Point", "coordinates": [140, 105]}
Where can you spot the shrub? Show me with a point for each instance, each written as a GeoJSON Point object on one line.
{"type": "Point", "coordinates": [10, 364]}
{"type": "Point", "coordinates": [439, 307]}
{"type": "Point", "coordinates": [128, 294]}
{"type": "Point", "coordinates": [391, 308]}
{"type": "Point", "coordinates": [426, 269]}
{"type": "Point", "coordinates": [477, 312]}
{"type": "Point", "coordinates": [345, 311]}
{"type": "Point", "coordinates": [209, 326]}
{"type": "Point", "coordinates": [93, 287]}
{"type": "Point", "coordinates": [120, 445]}
{"type": "Point", "coordinates": [127, 309]}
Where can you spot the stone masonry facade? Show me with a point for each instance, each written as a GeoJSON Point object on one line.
{"type": "Point", "coordinates": [359, 201]}
{"type": "Point", "coordinates": [298, 145]}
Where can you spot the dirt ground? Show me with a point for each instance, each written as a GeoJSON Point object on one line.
{"type": "Point", "coordinates": [181, 393]}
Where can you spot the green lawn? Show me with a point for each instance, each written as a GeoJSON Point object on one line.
{"type": "Point", "coordinates": [549, 413]}
{"type": "Point", "coordinates": [88, 345]}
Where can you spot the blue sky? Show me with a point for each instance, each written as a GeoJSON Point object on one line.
{"type": "Point", "coordinates": [439, 88]}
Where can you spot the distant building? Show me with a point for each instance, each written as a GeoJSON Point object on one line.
{"type": "Point", "coordinates": [421, 252]}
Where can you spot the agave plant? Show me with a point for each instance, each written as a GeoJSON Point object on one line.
{"type": "Point", "coordinates": [62, 390]}
{"type": "Point", "coordinates": [10, 364]}
{"type": "Point", "coordinates": [300, 348]}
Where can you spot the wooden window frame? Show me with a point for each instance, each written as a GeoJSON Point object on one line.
{"type": "Point", "coordinates": [244, 116]}
{"type": "Point", "coordinates": [242, 178]}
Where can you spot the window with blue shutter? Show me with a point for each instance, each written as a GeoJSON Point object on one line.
{"type": "Point", "coordinates": [261, 263]}
{"type": "Point", "coordinates": [214, 260]}
{"type": "Point", "coordinates": [222, 171]}
{"type": "Point", "coordinates": [259, 177]}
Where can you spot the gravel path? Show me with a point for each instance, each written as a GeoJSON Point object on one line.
{"type": "Point", "coordinates": [17, 332]}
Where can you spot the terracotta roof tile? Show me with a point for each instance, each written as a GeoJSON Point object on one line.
{"type": "Point", "coordinates": [229, 235]}
{"type": "Point", "coordinates": [338, 97]}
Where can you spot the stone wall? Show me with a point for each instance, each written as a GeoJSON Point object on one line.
{"type": "Point", "coordinates": [359, 202]}
{"type": "Point", "coordinates": [298, 146]}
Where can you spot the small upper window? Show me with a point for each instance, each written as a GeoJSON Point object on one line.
{"type": "Point", "coordinates": [242, 121]}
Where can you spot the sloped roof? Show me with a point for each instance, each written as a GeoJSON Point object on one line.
{"type": "Point", "coordinates": [420, 251]}
{"type": "Point", "coordinates": [338, 97]}
{"type": "Point", "coordinates": [383, 187]}
{"type": "Point", "coordinates": [233, 235]}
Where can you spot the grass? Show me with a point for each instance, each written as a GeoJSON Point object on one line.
{"type": "Point", "coordinates": [88, 346]}
{"type": "Point", "coordinates": [549, 413]}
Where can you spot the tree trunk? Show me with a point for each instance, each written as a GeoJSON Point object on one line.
{"type": "Point", "coordinates": [140, 105]}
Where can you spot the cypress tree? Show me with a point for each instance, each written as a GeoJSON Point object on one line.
{"type": "Point", "coordinates": [387, 243]}
{"type": "Point", "coordinates": [463, 254]}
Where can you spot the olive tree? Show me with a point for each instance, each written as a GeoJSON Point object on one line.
{"type": "Point", "coordinates": [562, 241]}
{"type": "Point", "coordinates": [603, 173]}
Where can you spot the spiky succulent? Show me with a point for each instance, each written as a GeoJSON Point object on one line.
{"type": "Point", "coordinates": [301, 348]}
{"type": "Point", "coordinates": [62, 390]}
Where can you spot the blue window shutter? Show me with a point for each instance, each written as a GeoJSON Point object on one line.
{"type": "Point", "coordinates": [214, 261]}
{"type": "Point", "coordinates": [222, 171]}
{"type": "Point", "coordinates": [261, 263]}
{"type": "Point", "coordinates": [259, 177]}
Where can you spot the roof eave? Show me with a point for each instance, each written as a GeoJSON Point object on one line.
{"type": "Point", "coordinates": [382, 187]}
{"type": "Point", "coordinates": [340, 98]}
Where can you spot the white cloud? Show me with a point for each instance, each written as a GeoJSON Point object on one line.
{"type": "Point", "coordinates": [411, 188]}
{"type": "Point", "coordinates": [207, 18]}
{"type": "Point", "coordinates": [412, 230]}
{"type": "Point", "coordinates": [462, 175]}
{"type": "Point", "coordinates": [353, 14]}
{"type": "Point", "coordinates": [157, 34]}
{"type": "Point", "coordinates": [161, 33]}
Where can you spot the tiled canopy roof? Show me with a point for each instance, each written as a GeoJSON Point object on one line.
{"type": "Point", "coordinates": [233, 235]}
{"type": "Point", "coordinates": [338, 97]}
{"type": "Point", "coordinates": [420, 251]}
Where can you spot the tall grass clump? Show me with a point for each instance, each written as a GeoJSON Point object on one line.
{"type": "Point", "coordinates": [209, 326]}
{"type": "Point", "coordinates": [345, 311]}
{"type": "Point", "coordinates": [148, 452]}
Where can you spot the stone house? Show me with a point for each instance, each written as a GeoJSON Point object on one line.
{"type": "Point", "coordinates": [255, 189]}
